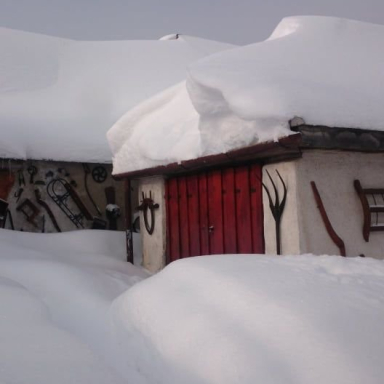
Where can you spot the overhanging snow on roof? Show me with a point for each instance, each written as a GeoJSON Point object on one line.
{"type": "Point", "coordinates": [328, 71]}
{"type": "Point", "coordinates": [58, 97]}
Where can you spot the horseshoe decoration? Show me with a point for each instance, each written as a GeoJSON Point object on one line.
{"type": "Point", "coordinates": [99, 174]}
{"type": "Point", "coordinates": [148, 204]}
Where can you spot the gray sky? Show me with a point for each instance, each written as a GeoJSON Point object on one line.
{"type": "Point", "coordinates": [234, 21]}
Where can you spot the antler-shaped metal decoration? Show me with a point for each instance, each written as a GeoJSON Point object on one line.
{"type": "Point", "coordinates": [276, 206]}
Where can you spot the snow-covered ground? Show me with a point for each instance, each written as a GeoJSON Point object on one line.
{"type": "Point", "coordinates": [256, 319]}
{"type": "Point", "coordinates": [73, 311]}
{"type": "Point", "coordinates": [55, 293]}
{"type": "Point", "coordinates": [325, 70]}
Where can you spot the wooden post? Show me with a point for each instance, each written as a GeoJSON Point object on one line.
{"type": "Point", "coordinates": [128, 220]}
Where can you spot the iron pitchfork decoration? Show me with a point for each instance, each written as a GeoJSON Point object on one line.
{"type": "Point", "coordinates": [277, 207]}
{"type": "Point", "coordinates": [148, 204]}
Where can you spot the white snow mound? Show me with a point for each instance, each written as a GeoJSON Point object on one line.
{"type": "Point", "coordinates": [329, 71]}
{"type": "Point", "coordinates": [58, 97]}
{"type": "Point", "coordinates": [255, 319]}
{"type": "Point", "coordinates": [55, 293]}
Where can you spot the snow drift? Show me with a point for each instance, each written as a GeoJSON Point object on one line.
{"type": "Point", "coordinates": [71, 311]}
{"type": "Point", "coordinates": [58, 97]}
{"type": "Point", "coordinates": [255, 319]}
{"type": "Point", "coordinates": [328, 71]}
{"type": "Point", "coordinates": [55, 293]}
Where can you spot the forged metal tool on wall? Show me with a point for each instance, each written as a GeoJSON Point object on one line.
{"type": "Point", "coordinates": [29, 210]}
{"type": "Point", "coordinates": [87, 171]}
{"type": "Point", "coordinates": [148, 204]}
{"type": "Point", "coordinates": [3, 212]}
{"type": "Point", "coordinates": [32, 170]}
{"type": "Point", "coordinates": [331, 232]}
{"type": "Point", "coordinates": [61, 192]}
{"type": "Point", "coordinates": [277, 207]}
{"type": "Point", "coordinates": [63, 172]}
{"type": "Point", "coordinates": [99, 174]}
{"type": "Point", "coordinates": [21, 177]}
{"type": "Point", "coordinates": [48, 210]}
{"type": "Point", "coordinates": [18, 194]}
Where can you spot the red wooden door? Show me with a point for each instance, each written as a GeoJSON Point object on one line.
{"type": "Point", "coordinates": [215, 212]}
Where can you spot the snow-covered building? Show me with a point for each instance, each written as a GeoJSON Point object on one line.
{"type": "Point", "coordinates": [301, 110]}
{"type": "Point", "coordinates": [58, 97]}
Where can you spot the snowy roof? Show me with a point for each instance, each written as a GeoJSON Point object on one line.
{"type": "Point", "coordinates": [59, 97]}
{"type": "Point", "coordinates": [328, 71]}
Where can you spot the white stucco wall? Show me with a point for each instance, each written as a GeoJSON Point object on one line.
{"type": "Point", "coordinates": [334, 173]}
{"type": "Point", "coordinates": [154, 246]}
{"type": "Point", "coordinates": [302, 228]}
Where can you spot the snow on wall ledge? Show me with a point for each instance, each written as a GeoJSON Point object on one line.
{"type": "Point", "coordinates": [326, 70]}
{"type": "Point", "coordinates": [58, 97]}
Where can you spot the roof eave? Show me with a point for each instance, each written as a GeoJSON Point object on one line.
{"type": "Point", "coordinates": [284, 148]}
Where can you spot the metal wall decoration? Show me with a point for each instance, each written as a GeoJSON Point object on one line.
{"type": "Point", "coordinates": [147, 204]}
{"type": "Point", "coordinates": [48, 210]}
{"type": "Point", "coordinates": [376, 206]}
{"type": "Point", "coordinates": [21, 179]}
{"type": "Point", "coordinates": [331, 232]}
{"type": "Point", "coordinates": [87, 171]}
{"type": "Point", "coordinates": [32, 170]}
{"type": "Point", "coordinates": [276, 207]}
{"type": "Point", "coordinates": [18, 194]}
{"type": "Point", "coordinates": [29, 210]}
{"type": "Point", "coordinates": [99, 174]}
{"type": "Point", "coordinates": [65, 174]}
{"type": "Point", "coordinates": [3, 212]}
{"type": "Point", "coordinates": [61, 192]}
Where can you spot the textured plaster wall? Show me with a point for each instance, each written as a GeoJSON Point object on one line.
{"type": "Point", "coordinates": [334, 173]}
{"type": "Point", "coordinates": [290, 241]}
{"type": "Point", "coordinates": [302, 228]}
{"type": "Point", "coordinates": [154, 246]}
{"type": "Point", "coordinates": [76, 173]}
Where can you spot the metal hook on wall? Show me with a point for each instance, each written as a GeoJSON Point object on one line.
{"type": "Point", "coordinates": [276, 206]}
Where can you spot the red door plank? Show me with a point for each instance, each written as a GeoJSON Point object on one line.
{"type": "Point", "coordinates": [229, 211]}
{"type": "Point", "coordinates": [183, 218]}
{"type": "Point", "coordinates": [215, 212]}
{"type": "Point", "coordinates": [193, 215]}
{"type": "Point", "coordinates": [168, 229]}
{"type": "Point", "coordinates": [257, 209]}
{"type": "Point", "coordinates": [243, 210]}
{"type": "Point", "coordinates": [203, 214]}
{"type": "Point", "coordinates": [173, 218]}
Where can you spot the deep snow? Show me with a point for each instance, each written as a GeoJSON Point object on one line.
{"type": "Point", "coordinates": [55, 293]}
{"type": "Point", "coordinates": [72, 311]}
{"type": "Point", "coordinates": [328, 71]}
{"type": "Point", "coordinates": [58, 97]}
{"type": "Point", "coordinates": [256, 319]}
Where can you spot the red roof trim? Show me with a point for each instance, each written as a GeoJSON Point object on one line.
{"type": "Point", "coordinates": [288, 144]}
